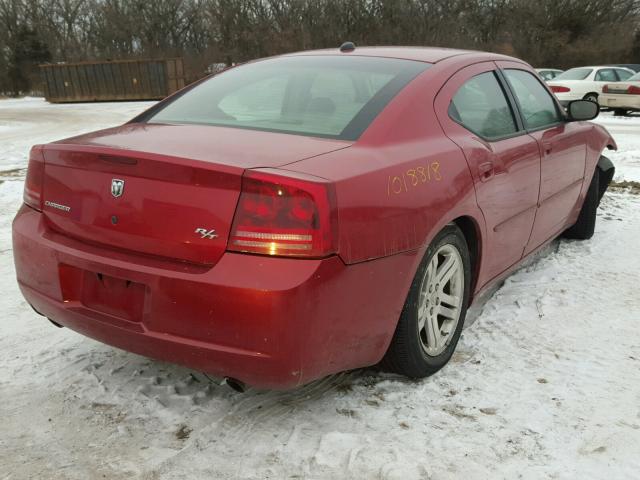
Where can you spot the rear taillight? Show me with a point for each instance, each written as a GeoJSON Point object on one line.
{"type": "Point", "coordinates": [605, 89]}
{"type": "Point", "coordinates": [290, 216]}
{"type": "Point", "coordinates": [633, 90]}
{"type": "Point", "coordinates": [559, 89]}
{"type": "Point", "coordinates": [35, 176]}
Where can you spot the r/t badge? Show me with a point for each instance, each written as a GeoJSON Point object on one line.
{"type": "Point", "coordinates": [208, 234]}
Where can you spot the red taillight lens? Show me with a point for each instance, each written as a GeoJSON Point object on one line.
{"type": "Point", "coordinates": [605, 89]}
{"type": "Point", "coordinates": [633, 90]}
{"type": "Point", "coordinates": [35, 177]}
{"type": "Point", "coordinates": [290, 216]}
{"type": "Point", "coordinates": [559, 89]}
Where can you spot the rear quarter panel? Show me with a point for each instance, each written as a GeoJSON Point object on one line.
{"type": "Point", "coordinates": [402, 181]}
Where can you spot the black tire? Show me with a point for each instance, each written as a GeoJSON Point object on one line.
{"type": "Point", "coordinates": [585, 225]}
{"type": "Point", "coordinates": [406, 354]}
{"type": "Point", "coordinates": [592, 97]}
{"type": "Point", "coordinates": [619, 112]}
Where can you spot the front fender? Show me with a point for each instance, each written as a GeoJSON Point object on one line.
{"type": "Point", "coordinates": [605, 139]}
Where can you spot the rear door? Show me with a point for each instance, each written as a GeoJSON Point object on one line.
{"type": "Point", "coordinates": [562, 147]}
{"type": "Point", "coordinates": [474, 110]}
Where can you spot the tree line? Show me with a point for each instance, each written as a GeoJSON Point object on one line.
{"type": "Point", "coordinates": [550, 33]}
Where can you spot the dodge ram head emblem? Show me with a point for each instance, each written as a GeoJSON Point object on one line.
{"type": "Point", "coordinates": [117, 187]}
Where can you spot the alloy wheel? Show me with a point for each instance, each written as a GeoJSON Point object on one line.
{"type": "Point", "coordinates": [440, 301]}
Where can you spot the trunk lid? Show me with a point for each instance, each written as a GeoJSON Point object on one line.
{"type": "Point", "coordinates": [167, 191]}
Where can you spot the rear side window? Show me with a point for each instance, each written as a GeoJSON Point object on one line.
{"type": "Point", "coordinates": [481, 106]}
{"type": "Point", "coordinates": [536, 103]}
{"type": "Point", "coordinates": [547, 75]}
{"type": "Point", "coordinates": [325, 96]}
{"type": "Point", "coordinates": [623, 74]}
{"type": "Point", "coordinates": [606, 75]}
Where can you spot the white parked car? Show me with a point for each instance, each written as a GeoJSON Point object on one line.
{"type": "Point", "coordinates": [548, 74]}
{"type": "Point", "coordinates": [622, 97]}
{"type": "Point", "coordinates": [586, 82]}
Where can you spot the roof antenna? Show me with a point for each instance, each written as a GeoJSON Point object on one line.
{"type": "Point", "coordinates": [347, 47]}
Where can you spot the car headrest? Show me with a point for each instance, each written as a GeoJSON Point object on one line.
{"type": "Point", "coordinates": [321, 105]}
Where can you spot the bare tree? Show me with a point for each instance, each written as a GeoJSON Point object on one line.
{"type": "Point", "coordinates": [561, 33]}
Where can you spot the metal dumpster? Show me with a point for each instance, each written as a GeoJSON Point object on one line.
{"type": "Point", "coordinates": [113, 80]}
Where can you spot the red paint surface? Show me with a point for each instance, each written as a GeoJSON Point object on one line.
{"type": "Point", "coordinates": [147, 284]}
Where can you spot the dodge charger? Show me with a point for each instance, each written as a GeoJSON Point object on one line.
{"type": "Point", "coordinates": [309, 213]}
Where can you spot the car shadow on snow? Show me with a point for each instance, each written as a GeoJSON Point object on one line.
{"type": "Point", "coordinates": [123, 375]}
{"type": "Point", "coordinates": [163, 381]}
{"type": "Point", "coordinates": [96, 376]}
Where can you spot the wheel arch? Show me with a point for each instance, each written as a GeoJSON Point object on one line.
{"type": "Point", "coordinates": [471, 231]}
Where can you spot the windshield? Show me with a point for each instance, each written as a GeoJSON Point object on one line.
{"type": "Point", "coordinates": [325, 96]}
{"type": "Point", "coordinates": [575, 74]}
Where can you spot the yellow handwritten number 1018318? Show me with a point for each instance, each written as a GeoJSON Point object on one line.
{"type": "Point", "coordinates": [414, 177]}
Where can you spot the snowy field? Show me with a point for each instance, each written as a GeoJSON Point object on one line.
{"type": "Point", "coordinates": [545, 383]}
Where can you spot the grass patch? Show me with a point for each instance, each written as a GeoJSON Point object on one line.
{"type": "Point", "coordinates": [633, 187]}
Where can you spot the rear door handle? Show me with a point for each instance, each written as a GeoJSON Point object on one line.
{"type": "Point", "coordinates": [547, 147]}
{"type": "Point", "coordinates": [486, 171]}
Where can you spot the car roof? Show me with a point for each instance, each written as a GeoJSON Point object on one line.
{"type": "Point", "coordinates": [630, 66]}
{"type": "Point", "coordinates": [421, 54]}
{"type": "Point", "coordinates": [603, 66]}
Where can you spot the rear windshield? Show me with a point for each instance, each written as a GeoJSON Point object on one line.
{"type": "Point", "coordinates": [635, 78]}
{"type": "Point", "coordinates": [324, 96]}
{"type": "Point", "coordinates": [575, 74]}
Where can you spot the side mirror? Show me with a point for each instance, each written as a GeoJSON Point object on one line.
{"type": "Point", "coordinates": [582, 110]}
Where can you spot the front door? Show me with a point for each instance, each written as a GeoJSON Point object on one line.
{"type": "Point", "coordinates": [562, 148]}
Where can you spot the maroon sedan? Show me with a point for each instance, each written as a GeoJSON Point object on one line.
{"type": "Point", "coordinates": [309, 213]}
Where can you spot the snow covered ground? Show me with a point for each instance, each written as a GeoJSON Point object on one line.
{"type": "Point", "coordinates": [545, 384]}
{"type": "Point", "coordinates": [626, 131]}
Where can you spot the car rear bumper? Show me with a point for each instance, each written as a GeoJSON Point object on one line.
{"type": "Point", "coordinates": [267, 321]}
{"type": "Point", "coordinates": [624, 101]}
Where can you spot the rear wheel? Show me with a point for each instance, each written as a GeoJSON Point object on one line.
{"type": "Point", "coordinates": [433, 315]}
{"type": "Point", "coordinates": [585, 225]}
{"type": "Point", "coordinates": [619, 112]}
{"type": "Point", "coordinates": [592, 97]}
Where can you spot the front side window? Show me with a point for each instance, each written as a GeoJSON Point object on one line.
{"type": "Point", "coordinates": [325, 96]}
{"type": "Point", "coordinates": [536, 104]}
{"type": "Point", "coordinates": [481, 106]}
